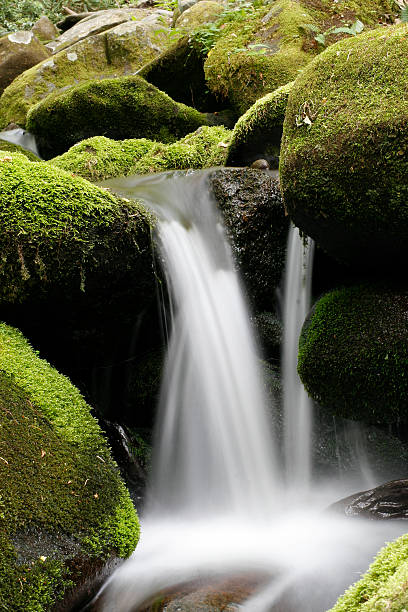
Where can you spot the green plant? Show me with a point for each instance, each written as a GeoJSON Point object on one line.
{"type": "Point", "coordinates": [403, 5]}
{"type": "Point", "coordinates": [320, 37]}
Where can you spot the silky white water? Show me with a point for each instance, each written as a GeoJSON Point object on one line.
{"type": "Point", "coordinates": [217, 505]}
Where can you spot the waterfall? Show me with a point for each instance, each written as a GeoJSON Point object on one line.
{"type": "Point", "coordinates": [298, 408]}
{"type": "Point", "coordinates": [216, 506]}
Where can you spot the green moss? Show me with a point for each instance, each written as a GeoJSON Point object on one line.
{"type": "Point", "coordinates": [257, 133]}
{"type": "Point", "coordinates": [344, 165]}
{"type": "Point", "coordinates": [13, 148]}
{"type": "Point", "coordinates": [97, 57]}
{"type": "Point", "coordinates": [63, 235]}
{"type": "Point", "coordinates": [116, 108]}
{"type": "Point", "coordinates": [353, 354]}
{"type": "Point", "coordinates": [50, 445]}
{"type": "Point", "coordinates": [384, 586]}
{"type": "Point", "coordinates": [239, 72]}
{"type": "Point", "coordinates": [205, 11]}
{"type": "Point", "coordinates": [100, 158]}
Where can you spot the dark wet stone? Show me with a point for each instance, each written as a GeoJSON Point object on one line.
{"type": "Point", "coordinates": [387, 501]}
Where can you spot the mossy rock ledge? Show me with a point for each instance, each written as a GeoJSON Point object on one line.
{"type": "Point", "coordinates": [65, 514]}
{"type": "Point", "coordinates": [383, 586]}
{"type": "Point", "coordinates": [344, 159]}
{"type": "Point", "coordinates": [121, 108]}
{"type": "Point", "coordinates": [353, 354]}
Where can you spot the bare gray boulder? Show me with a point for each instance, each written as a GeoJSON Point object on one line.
{"type": "Point", "coordinates": [44, 29]}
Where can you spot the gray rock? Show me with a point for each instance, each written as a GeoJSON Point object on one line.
{"type": "Point", "coordinates": [44, 29]}
{"type": "Point", "coordinates": [388, 501]}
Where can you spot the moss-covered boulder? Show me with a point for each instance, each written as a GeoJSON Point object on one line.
{"type": "Point", "coordinates": [14, 148]}
{"type": "Point", "coordinates": [64, 512]}
{"type": "Point", "coordinates": [384, 586]}
{"type": "Point", "coordinates": [101, 158]}
{"type": "Point", "coordinates": [344, 163]}
{"type": "Point", "coordinates": [205, 11]}
{"type": "Point", "coordinates": [126, 107]}
{"type": "Point", "coordinates": [251, 204]}
{"type": "Point", "coordinates": [119, 51]}
{"type": "Point", "coordinates": [18, 52]}
{"type": "Point", "coordinates": [353, 354]}
{"type": "Point", "coordinates": [61, 234]}
{"type": "Point", "coordinates": [257, 133]}
{"type": "Point", "coordinates": [259, 48]}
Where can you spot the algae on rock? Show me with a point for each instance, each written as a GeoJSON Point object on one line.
{"type": "Point", "coordinates": [64, 510]}
{"type": "Point", "coordinates": [126, 107]}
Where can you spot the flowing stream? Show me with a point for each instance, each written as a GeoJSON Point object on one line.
{"type": "Point", "coordinates": [217, 503]}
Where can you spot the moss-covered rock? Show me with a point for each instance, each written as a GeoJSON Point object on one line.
{"type": "Point", "coordinates": [14, 148]}
{"type": "Point", "coordinates": [205, 11]}
{"type": "Point", "coordinates": [126, 107]}
{"type": "Point", "coordinates": [259, 49]}
{"type": "Point", "coordinates": [63, 235]}
{"type": "Point", "coordinates": [63, 509]}
{"type": "Point", "coordinates": [114, 53]}
{"type": "Point", "coordinates": [384, 586]}
{"type": "Point", "coordinates": [353, 354]}
{"type": "Point", "coordinates": [100, 158]}
{"type": "Point", "coordinates": [255, 220]}
{"type": "Point", "coordinates": [344, 163]}
{"type": "Point", "coordinates": [257, 133]}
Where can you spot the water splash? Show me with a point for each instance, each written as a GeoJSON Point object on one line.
{"type": "Point", "coordinates": [22, 138]}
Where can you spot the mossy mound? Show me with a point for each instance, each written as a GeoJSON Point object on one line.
{"type": "Point", "coordinates": [100, 158]}
{"type": "Point", "coordinates": [344, 163]}
{"type": "Point", "coordinates": [384, 586]}
{"type": "Point", "coordinates": [353, 354]}
{"type": "Point", "coordinates": [259, 53]}
{"type": "Point", "coordinates": [61, 235]}
{"type": "Point", "coordinates": [257, 134]}
{"type": "Point", "coordinates": [14, 148]}
{"type": "Point", "coordinates": [114, 53]}
{"type": "Point", "coordinates": [127, 107]}
{"type": "Point", "coordinates": [63, 508]}
{"type": "Point", "coordinates": [205, 11]}
{"type": "Point", "coordinates": [255, 221]}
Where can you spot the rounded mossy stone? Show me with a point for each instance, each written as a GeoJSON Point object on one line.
{"type": "Point", "coordinates": [204, 11]}
{"type": "Point", "coordinates": [383, 586]}
{"type": "Point", "coordinates": [63, 236]}
{"type": "Point", "coordinates": [101, 158]}
{"type": "Point", "coordinates": [353, 354]}
{"type": "Point", "coordinates": [258, 54]}
{"type": "Point", "coordinates": [63, 507]}
{"type": "Point", "coordinates": [344, 159]}
{"type": "Point", "coordinates": [257, 133]}
{"type": "Point", "coordinates": [126, 107]}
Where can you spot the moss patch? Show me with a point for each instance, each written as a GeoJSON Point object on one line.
{"type": "Point", "coordinates": [63, 235]}
{"type": "Point", "coordinates": [353, 354]}
{"type": "Point", "coordinates": [344, 162]}
{"type": "Point", "coordinates": [61, 496]}
{"type": "Point", "coordinates": [384, 586]}
{"type": "Point", "coordinates": [258, 132]}
{"type": "Point", "coordinates": [128, 107]}
{"type": "Point", "coordinates": [13, 148]}
{"type": "Point", "coordinates": [100, 158]}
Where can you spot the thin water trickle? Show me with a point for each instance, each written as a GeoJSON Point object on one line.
{"type": "Point", "coordinates": [298, 407]}
{"type": "Point", "coordinates": [216, 504]}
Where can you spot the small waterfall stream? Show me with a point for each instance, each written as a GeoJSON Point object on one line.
{"type": "Point", "coordinates": [217, 505]}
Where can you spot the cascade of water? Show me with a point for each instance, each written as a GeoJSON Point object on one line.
{"type": "Point", "coordinates": [213, 447]}
{"type": "Point", "coordinates": [20, 137]}
{"type": "Point", "coordinates": [297, 405]}
{"type": "Point", "coordinates": [216, 506]}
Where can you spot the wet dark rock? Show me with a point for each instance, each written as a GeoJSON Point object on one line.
{"type": "Point", "coordinates": [388, 501]}
{"type": "Point", "coordinates": [18, 52]}
{"type": "Point", "coordinates": [256, 224]}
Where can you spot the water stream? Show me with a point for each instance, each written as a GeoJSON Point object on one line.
{"type": "Point", "coordinates": [217, 504]}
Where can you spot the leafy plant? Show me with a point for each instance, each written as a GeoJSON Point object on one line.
{"type": "Point", "coordinates": [320, 37]}
{"type": "Point", "coordinates": [403, 5]}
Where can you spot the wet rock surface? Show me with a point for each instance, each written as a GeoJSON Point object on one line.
{"type": "Point", "coordinates": [387, 501]}
{"type": "Point", "coordinates": [18, 52]}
